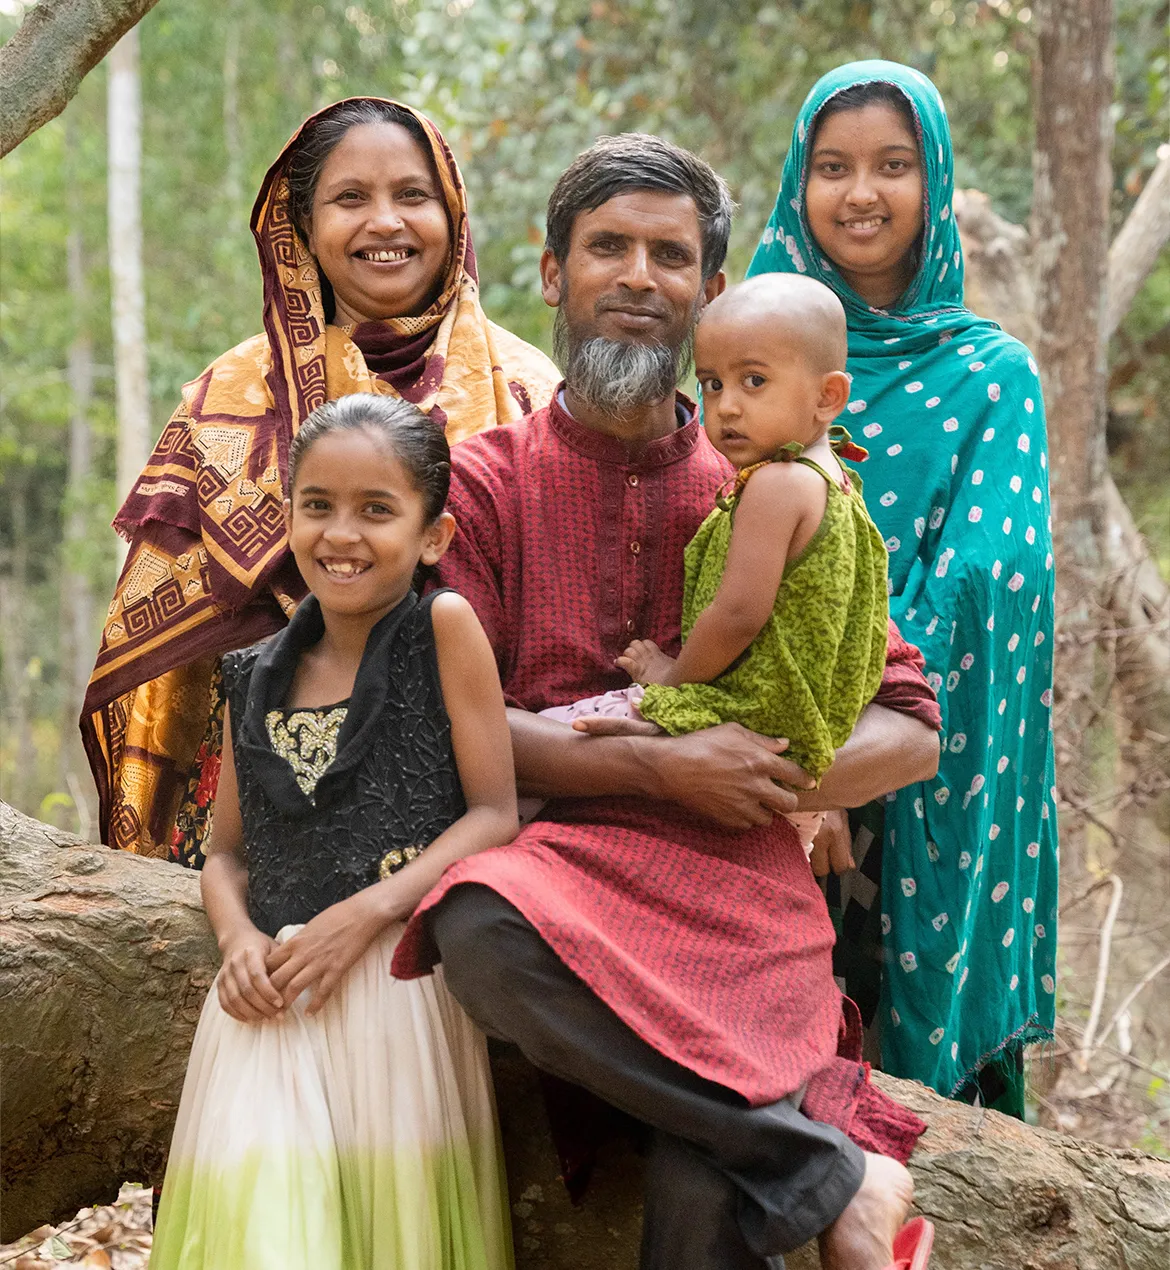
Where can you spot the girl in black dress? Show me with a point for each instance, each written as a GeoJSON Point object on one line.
{"type": "Point", "coordinates": [334, 1117]}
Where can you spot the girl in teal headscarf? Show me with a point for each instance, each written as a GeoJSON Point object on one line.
{"type": "Point", "coordinates": [950, 409]}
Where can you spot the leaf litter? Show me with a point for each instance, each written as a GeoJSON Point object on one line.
{"type": "Point", "coordinates": [113, 1236]}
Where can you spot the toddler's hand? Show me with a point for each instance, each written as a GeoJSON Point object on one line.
{"type": "Point", "coordinates": [245, 990]}
{"type": "Point", "coordinates": [646, 663]}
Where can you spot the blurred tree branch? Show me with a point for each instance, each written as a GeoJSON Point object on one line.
{"type": "Point", "coordinates": [57, 45]}
{"type": "Point", "coordinates": [1135, 250]}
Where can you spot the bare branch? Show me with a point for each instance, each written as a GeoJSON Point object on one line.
{"type": "Point", "coordinates": [1135, 250]}
{"type": "Point", "coordinates": [1082, 1059]}
{"type": "Point", "coordinates": [57, 45]}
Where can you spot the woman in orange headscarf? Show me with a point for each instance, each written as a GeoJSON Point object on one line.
{"type": "Point", "coordinates": [369, 286]}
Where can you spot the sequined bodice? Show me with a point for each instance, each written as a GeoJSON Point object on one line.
{"type": "Point", "coordinates": [333, 799]}
{"type": "Point", "coordinates": [306, 739]}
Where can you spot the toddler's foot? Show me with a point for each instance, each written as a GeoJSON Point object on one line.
{"type": "Point", "coordinates": [862, 1238]}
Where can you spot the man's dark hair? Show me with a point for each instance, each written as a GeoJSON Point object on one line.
{"type": "Point", "coordinates": [637, 161]}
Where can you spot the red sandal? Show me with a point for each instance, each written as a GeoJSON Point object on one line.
{"type": "Point", "coordinates": [912, 1245]}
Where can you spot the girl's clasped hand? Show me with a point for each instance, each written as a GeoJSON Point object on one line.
{"type": "Point", "coordinates": [260, 977]}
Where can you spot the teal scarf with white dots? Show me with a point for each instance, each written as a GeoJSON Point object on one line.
{"type": "Point", "coordinates": [949, 407]}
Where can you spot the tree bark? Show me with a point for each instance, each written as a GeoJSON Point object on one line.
{"type": "Point", "coordinates": [76, 596]}
{"type": "Point", "coordinates": [232, 147]}
{"type": "Point", "coordinates": [1073, 93]}
{"type": "Point", "coordinates": [127, 298]}
{"type": "Point", "coordinates": [1138, 244]}
{"type": "Point", "coordinates": [56, 46]}
{"type": "Point", "coordinates": [105, 958]}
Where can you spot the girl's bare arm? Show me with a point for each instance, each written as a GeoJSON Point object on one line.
{"type": "Point", "coordinates": [245, 991]}
{"type": "Point", "coordinates": [320, 954]}
{"type": "Point", "coordinates": [482, 743]}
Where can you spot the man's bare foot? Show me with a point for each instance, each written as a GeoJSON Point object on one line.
{"type": "Point", "coordinates": [862, 1238]}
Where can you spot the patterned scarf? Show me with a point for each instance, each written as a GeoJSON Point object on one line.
{"type": "Point", "coordinates": [957, 481]}
{"type": "Point", "coordinates": [208, 567]}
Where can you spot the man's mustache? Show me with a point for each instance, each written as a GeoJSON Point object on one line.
{"type": "Point", "coordinates": [631, 302]}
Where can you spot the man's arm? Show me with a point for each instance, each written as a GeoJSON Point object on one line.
{"type": "Point", "coordinates": [725, 774]}
{"type": "Point", "coordinates": [887, 749]}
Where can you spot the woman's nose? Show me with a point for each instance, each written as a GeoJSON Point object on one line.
{"type": "Point", "coordinates": [862, 190]}
{"type": "Point", "coordinates": [385, 216]}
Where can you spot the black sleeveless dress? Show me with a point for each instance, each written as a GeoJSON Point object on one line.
{"type": "Point", "coordinates": [363, 1135]}
{"type": "Point", "coordinates": [390, 790]}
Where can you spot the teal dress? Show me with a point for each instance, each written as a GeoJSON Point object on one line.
{"type": "Point", "coordinates": [950, 409]}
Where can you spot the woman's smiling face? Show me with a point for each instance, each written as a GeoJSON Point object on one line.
{"type": "Point", "coordinates": [864, 198]}
{"type": "Point", "coordinates": [379, 226]}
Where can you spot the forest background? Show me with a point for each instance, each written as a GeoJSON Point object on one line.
{"type": "Point", "coordinates": [519, 87]}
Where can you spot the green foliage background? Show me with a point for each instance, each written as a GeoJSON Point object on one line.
{"type": "Point", "coordinates": [519, 87]}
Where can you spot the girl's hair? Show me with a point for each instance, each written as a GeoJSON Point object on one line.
{"type": "Point", "coordinates": [319, 138]}
{"type": "Point", "coordinates": [417, 443]}
{"type": "Point", "coordinates": [857, 96]}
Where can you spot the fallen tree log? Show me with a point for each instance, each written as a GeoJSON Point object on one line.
{"type": "Point", "coordinates": [104, 961]}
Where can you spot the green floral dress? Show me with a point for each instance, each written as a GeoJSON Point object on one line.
{"type": "Point", "coordinates": [818, 660]}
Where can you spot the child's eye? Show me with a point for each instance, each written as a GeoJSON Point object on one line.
{"type": "Point", "coordinates": [710, 385]}
{"type": "Point", "coordinates": [378, 509]}
{"type": "Point", "coordinates": [315, 505]}
{"type": "Point", "coordinates": [755, 381]}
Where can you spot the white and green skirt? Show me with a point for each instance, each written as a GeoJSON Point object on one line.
{"type": "Point", "coordinates": [362, 1138]}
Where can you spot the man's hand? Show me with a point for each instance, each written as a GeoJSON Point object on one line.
{"type": "Point", "coordinates": [646, 663]}
{"type": "Point", "coordinates": [833, 846]}
{"type": "Point", "coordinates": [244, 988]}
{"type": "Point", "coordinates": [321, 952]}
{"type": "Point", "coordinates": [726, 774]}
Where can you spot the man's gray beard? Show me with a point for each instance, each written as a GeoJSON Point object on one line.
{"type": "Point", "coordinates": [617, 378]}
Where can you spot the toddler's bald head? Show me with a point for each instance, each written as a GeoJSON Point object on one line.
{"type": "Point", "coordinates": [799, 309]}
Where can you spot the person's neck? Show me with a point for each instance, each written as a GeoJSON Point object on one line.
{"type": "Point", "coordinates": [881, 290]}
{"type": "Point", "coordinates": [344, 639]}
{"type": "Point", "coordinates": [646, 423]}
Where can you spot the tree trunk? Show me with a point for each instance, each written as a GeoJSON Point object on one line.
{"type": "Point", "coordinates": [77, 602]}
{"type": "Point", "coordinates": [1073, 94]}
{"type": "Point", "coordinates": [15, 642]}
{"type": "Point", "coordinates": [233, 173]}
{"type": "Point", "coordinates": [105, 958]}
{"type": "Point", "coordinates": [126, 289]}
{"type": "Point", "coordinates": [57, 45]}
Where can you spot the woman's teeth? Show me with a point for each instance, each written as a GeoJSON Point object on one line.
{"type": "Point", "coordinates": [872, 223]}
{"type": "Point", "coordinates": [385, 257]}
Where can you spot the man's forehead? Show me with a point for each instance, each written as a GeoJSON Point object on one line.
{"type": "Point", "coordinates": [649, 214]}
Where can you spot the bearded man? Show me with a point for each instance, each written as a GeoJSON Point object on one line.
{"type": "Point", "coordinates": [656, 935]}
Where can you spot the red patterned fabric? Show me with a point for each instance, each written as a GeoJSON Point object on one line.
{"type": "Point", "coordinates": [713, 945]}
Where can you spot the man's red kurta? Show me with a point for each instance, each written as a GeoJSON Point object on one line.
{"type": "Point", "coordinates": [712, 944]}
